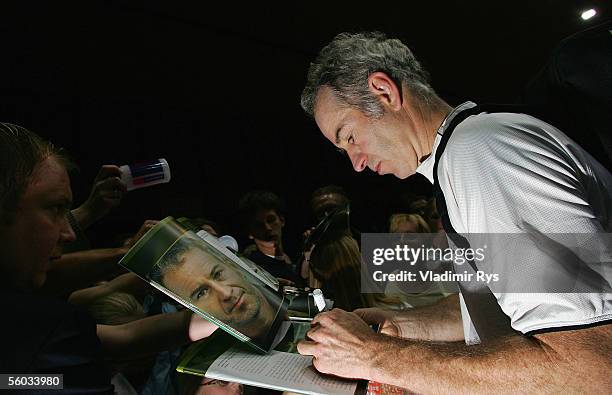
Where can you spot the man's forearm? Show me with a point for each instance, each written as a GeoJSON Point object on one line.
{"type": "Point", "coordinates": [515, 364]}
{"type": "Point", "coordinates": [77, 270]}
{"type": "Point", "coordinates": [146, 336]}
{"type": "Point", "coordinates": [128, 282]}
{"type": "Point", "coordinates": [440, 368]}
{"type": "Point", "coordinates": [83, 217]}
{"type": "Point", "coordinates": [442, 321]}
{"type": "Point", "coordinates": [438, 322]}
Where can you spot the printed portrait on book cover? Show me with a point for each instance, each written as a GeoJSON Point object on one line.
{"type": "Point", "coordinates": [207, 279]}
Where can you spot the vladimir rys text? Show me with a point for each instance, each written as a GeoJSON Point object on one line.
{"type": "Point", "coordinates": [423, 275]}
{"type": "Point", "coordinates": [422, 255]}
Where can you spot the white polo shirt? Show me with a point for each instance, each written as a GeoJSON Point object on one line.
{"type": "Point", "coordinates": [506, 173]}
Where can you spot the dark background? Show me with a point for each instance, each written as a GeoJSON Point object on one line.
{"type": "Point", "coordinates": [215, 90]}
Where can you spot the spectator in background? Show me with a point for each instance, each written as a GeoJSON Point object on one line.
{"type": "Point", "coordinates": [327, 199]}
{"type": "Point", "coordinates": [117, 308]}
{"type": "Point", "coordinates": [207, 225]}
{"type": "Point", "coordinates": [422, 205]}
{"type": "Point", "coordinates": [323, 202]}
{"type": "Point", "coordinates": [80, 265]}
{"type": "Point", "coordinates": [408, 223]}
{"type": "Point", "coordinates": [262, 216]}
{"type": "Point", "coordinates": [196, 385]}
{"type": "Point", "coordinates": [81, 269]}
{"type": "Point", "coordinates": [46, 335]}
{"type": "Point", "coordinates": [403, 219]}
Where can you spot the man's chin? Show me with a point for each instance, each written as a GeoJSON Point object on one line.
{"type": "Point", "coordinates": [249, 313]}
{"type": "Point", "coordinates": [403, 174]}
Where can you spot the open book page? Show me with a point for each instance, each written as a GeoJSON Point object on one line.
{"type": "Point", "coordinates": [282, 371]}
{"type": "Point", "coordinates": [222, 357]}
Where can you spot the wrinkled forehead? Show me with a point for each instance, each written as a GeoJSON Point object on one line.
{"type": "Point", "coordinates": [198, 260]}
{"type": "Point", "coordinates": [204, 262]}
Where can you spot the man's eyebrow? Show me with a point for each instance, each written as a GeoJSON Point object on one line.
{"type": "Point", "coordinates": [338, 135]}
{"type": "Point", "coordinates": [214, 268]}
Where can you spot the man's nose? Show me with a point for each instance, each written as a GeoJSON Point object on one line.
{"type": "Point", "coordinates": [358, 159]}
{"type": "Point", "coordinates": [224, 292]}
{"type": "Point", "coordinates": [67, 234]}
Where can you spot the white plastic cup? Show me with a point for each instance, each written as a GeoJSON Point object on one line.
{"type": "Point", "coordinates": [229, 242]}
{"type": "Point", "coordinates": [319, 300]}
{"type": "Point", "coordinates": [145, 174]}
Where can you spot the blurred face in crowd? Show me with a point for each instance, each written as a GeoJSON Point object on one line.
{"type": "Point", "coordinates": [40, 226]}
{"type": "Point", "coordinates": [267, 225]}
{"type": "Point", "coordinates": [219, 387]}
{"type": "Point", "coordinates": [404, 226]}
{"type": "Point", "coordinates": [322, 205]}
{"type": "Point", "coordinates": [378, 144]}
{"type": "Point", "coordinates": [219, 290]}
{"type": "Point", "coordinates": [408, 223]}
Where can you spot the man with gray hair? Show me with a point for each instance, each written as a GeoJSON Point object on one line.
{"type": "Point", "coordinates": [493, 171]}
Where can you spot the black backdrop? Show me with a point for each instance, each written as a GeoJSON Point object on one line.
{"type": "Point", "coordinates": [216, 91]}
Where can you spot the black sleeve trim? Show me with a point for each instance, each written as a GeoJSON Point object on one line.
{"type": "Point", "coordinates": [568, 328]}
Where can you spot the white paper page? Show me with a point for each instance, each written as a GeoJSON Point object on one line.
{"type": "Point", "coordinates": [277, 370]}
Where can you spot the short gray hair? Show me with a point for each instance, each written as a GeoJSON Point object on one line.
{"type": "Point", "coordinates": [346, 62]}
{"type": "Point", "coordinates": [172, 258]}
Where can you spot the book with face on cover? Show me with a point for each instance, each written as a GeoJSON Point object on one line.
{"type": "Point", "coordinates": [203, 275]}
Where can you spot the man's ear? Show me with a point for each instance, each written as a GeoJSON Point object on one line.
{"type": "Point", "coordinates": [282, 220]}
{"type": "Point", "coordinates": [383, 87]}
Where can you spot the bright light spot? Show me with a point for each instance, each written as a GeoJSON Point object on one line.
{"type": "Point", "coordinates": [588, 14]}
